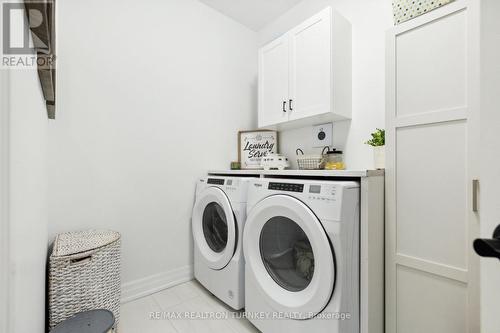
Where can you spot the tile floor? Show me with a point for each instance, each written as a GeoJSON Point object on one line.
{"type": "Point", "coordinates": [189, 297]}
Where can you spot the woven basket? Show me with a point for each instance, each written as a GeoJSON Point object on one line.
{"type": "Point", "coordinates": [310, 162]}
{"type": "Point", "coordinates": [84, 274]}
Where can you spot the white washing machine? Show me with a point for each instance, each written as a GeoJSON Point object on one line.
{"type": "Point", "coordinates": [218, 218]}
{"type": "Point", "coordinates": [301, 245]}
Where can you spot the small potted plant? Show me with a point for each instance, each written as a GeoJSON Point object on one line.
{"type": "Point", "coordinates": [378, 143]}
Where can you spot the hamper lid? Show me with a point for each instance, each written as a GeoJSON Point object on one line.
{"type": "Point", "coordinates": [82, 241]}
{"type": "Point", "coordinates": [94, 321]}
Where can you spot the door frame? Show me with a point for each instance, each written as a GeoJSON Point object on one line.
{"type": "Point", "coordinates": [470, 113]}
{"type": "Point", "coordinates": [489, 82]}
{"type": "Point", "coordinates": [4, 201]}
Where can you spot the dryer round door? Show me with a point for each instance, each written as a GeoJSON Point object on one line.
{"type": "Point", "coordinates": [290, 256]}
{"type": "Point", "coordinates": [214, 228]}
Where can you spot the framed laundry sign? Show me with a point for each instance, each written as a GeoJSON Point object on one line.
{"type": "Point", "coordinates": [254, 145]}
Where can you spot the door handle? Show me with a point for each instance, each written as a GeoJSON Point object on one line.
{"type": "Point", "coordinates": [290, 104]}
{"type": "Point", "coordinates": [475, 192]}
{"type": "Point", "coordinates": [284, 106]}
{"type": "Point", "coordinates": [489, 248]}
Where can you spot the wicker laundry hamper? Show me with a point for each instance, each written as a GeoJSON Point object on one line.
{"type": "Point", "coordinates": [84, 274]}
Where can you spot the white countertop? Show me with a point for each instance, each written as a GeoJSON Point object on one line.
{"type": "Point", "coordinates": [307, 173]}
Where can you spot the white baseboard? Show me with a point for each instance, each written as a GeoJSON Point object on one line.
{"type": "Point", "coordinates": [154, 283]}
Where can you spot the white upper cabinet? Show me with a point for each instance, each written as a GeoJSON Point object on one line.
{"type": "Point", "coordinates": [310, 62]}
{"type": "Point", "coordinates": [305, 75]}
{"type": "Point", "coordinates": [273, 59]}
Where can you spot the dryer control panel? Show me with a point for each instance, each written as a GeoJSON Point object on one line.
{"type": "Point", "coordinates": [234, 187]}
{"type": "Point", "coordinates": [288, 187]}
{"type": "Point", "coordinates": [215, 181]}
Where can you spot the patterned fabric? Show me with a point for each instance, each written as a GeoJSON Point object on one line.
{"type": "Point", "coordinates": [405, 10]}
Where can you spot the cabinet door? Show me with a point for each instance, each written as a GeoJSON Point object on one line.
{"type": "Point", "coordinates": [310, 66]}
{"type": "Point", "coordinates": [273, 82]}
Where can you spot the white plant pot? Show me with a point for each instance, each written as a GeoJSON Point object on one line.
{"type": "Point", "coordinates": [379, 157]}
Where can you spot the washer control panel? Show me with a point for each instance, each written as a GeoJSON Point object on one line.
{"type": "Point", "coordinates": [325, 198]}
{"type": "Point", "coordinates": [288, 187]}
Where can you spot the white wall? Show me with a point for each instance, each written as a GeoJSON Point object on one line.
{"type": "Point", "coordinates": [150, 94]}
{"type": "Point", "coordinates": [370, 20]}
{"type": "Point", "coordinates": [24, 199]}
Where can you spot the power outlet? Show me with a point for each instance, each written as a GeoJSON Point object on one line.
{"type": "Point", "coordinates": [323, 135]}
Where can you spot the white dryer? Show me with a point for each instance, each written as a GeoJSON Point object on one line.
{"type": "Point", "coordinates": [218, 217]}
{"type": "Point", "coordinates": [301, 245]}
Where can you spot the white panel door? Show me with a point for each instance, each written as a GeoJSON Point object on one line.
{"type": "Point", "coordinates": [273, 82]}
{"type": "Point", "coordinates": [448, 88]}
{"type": "Point", "coordinates": [310, 66]}
{"type": "Point", "coordinates": [431, 270]}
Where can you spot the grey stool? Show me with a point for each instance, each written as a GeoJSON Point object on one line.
{"type": "Point", "coordinates": [95, 321]}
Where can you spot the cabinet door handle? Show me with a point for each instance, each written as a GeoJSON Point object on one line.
{"type": "Point", "coordinates": [284, 106]}
{"type": "Point", "coordinates": [290, 105]}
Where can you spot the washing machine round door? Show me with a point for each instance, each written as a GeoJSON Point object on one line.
{"type": "Point", "coordinates": [288, 252]}
{"type": "Point", "coordinates": [214, 228]}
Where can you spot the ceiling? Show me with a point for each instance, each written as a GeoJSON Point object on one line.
{"type": "Point", "coordinates": [255, 14]}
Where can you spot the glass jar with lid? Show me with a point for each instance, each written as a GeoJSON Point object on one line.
{"type": "Point", "coordinates": [334, 160]}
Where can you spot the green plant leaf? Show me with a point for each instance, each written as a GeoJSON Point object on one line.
{"type": "Point", "coordinates": [378, 138]}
